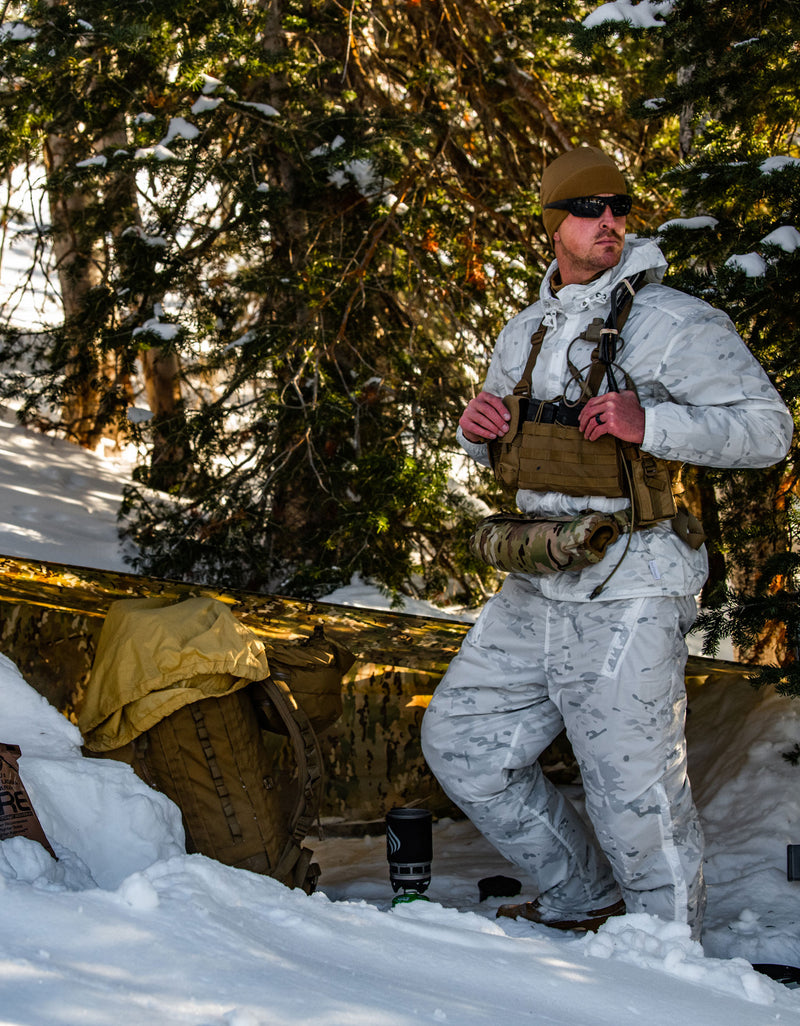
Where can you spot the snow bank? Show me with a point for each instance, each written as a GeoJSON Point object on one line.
{"type": "Point", "coordinates": [102, 821]}
{"type": "Point", "coordinates": [125, 927]}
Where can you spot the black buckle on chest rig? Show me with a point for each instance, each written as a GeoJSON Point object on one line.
{"type": "Point", "coordinates": [543, 412]}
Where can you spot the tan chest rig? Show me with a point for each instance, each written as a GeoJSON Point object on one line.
{"type": "Point", "coordinates": [544, 450]}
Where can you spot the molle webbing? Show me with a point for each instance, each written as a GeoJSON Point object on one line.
{"type": "Point", "coordinates": [558, 458]}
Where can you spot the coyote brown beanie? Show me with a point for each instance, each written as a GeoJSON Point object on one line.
{"type": "Point", "coordinates": [585, 171]}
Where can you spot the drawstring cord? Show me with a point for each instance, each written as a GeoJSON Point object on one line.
{"type": "Point", "coordinates": [605, 581]}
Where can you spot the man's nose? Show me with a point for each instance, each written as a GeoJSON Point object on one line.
{"type": "Point", "coordinates": [607, 217]}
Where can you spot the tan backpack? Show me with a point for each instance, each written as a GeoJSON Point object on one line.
{"type": "Point", "coordinates": [210, 718]}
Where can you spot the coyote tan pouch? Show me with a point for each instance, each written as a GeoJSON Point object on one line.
{"type": "Point", "coordinates": [17, 818]}
{"type": "Point", "coordinates": [504, 452]}
{"type": "Point", "coordinates": [652, 498]}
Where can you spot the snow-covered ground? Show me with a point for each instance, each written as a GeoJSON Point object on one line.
{"type": "Point", "coordinates": [127, 928]}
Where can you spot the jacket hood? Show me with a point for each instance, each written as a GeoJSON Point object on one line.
{"type": "Point", "coordinates": [637, 255]}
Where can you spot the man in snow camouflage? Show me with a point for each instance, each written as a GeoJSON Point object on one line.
{"type": "Point", "coordinates": [544, 653]}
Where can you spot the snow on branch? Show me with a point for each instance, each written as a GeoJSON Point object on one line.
{"type": "Point", "coordinates": [642, 15]}
{"type": "Point", "coordinates": [754, 265]}
{"type": "Point", "coordinates": [689, 223]}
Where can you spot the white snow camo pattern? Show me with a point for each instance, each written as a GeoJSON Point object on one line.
{"type": "Point", "coordinates": [543, 656]}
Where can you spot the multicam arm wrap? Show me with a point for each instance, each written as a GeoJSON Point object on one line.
{"type": "Point", "coordinates": [518, 544]}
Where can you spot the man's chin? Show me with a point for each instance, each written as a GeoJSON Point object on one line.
{"type": "Point", "coordinates": [610, 253]}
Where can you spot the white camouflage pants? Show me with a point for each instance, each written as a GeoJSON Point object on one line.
{"type": "Point", "coordinates": [612, 673]}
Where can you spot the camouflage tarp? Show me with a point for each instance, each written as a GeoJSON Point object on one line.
{"type": "Point", "coordinates": [51, 616]}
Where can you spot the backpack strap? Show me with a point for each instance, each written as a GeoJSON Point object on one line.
{"type": "Point", "coordinates": [523, 386]}
{"type": "Point", "coordinates": [295, 860]}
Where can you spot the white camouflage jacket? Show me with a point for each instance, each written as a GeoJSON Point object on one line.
{"type": "Point", "coordinates": [707, 401]}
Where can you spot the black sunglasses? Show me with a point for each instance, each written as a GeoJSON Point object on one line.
{"type": "Point", "coordinates": [593, 206]}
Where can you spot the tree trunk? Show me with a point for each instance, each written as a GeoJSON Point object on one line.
{"type": "Point", "coordinates": [81, 266]}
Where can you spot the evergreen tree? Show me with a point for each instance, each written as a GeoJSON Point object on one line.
{"type": "Point", "coordinates": [326, 214]}
{"type": "Point", "coordinates": [64, 95]}
{"type": "Point", "coordinates": [730, 98]}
